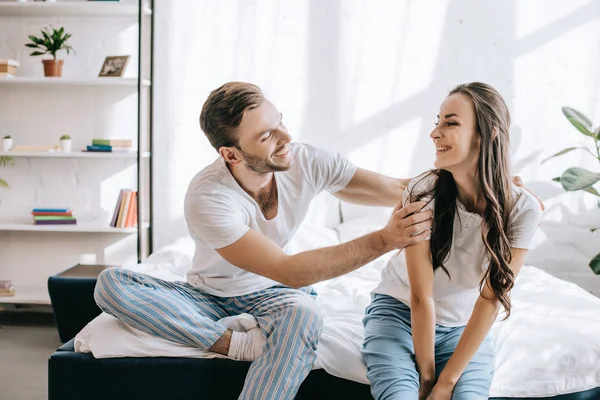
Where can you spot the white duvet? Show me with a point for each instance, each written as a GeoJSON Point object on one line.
{"type": "Point", "coordinates": [549, 346]}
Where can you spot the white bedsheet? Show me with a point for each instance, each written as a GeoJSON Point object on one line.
{"type": "Point", "coordinates": [549, 346]}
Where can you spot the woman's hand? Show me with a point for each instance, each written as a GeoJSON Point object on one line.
{"type": "Point", "coordinates": [441, 391]}
{"type": "Point", "coordinates": [425, 389]}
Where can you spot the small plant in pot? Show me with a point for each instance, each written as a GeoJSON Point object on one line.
{"type": "Point", "coordinates": [65, 143]}
{"type": "Point", "coordinates": [51, 43]}
{"type": "Point", "coordinates": [7, 143]}
{"type": "Point", "coordinates": [576, 178]}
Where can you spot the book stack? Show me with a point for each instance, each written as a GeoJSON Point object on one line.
{"type": "Point", "coordinates": [53, 216]}
{"type": "Point", "coordinates": [8, 68]}
{"type": "Point", "coordinates": [110, 146]}
{"type": "Point", "coordinates": [6, 288]}
{"type": "Point", "coordinates": [125, 214]}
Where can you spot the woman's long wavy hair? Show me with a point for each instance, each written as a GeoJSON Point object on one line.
{"type": "Point", "coordinates": [492, 121]}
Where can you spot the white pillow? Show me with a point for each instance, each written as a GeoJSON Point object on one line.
{"type": "Point", "coordinates": [178, 256]}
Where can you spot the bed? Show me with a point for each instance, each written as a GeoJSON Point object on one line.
{"type": "Point", "coordinates": [549, 347]}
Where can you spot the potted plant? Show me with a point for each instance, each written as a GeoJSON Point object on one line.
{"type": "Point", "coordinates": [51, 43]}
{"type": "Point", "coordinates": [576, 178]}
{"type": "Point", "coordinates": [5, 162]}
{"type": "Point", "coordinates": [65, 144]}
{"type": "Point", "coordinates": [7, 143]}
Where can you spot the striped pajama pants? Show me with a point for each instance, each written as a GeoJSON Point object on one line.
{"type": "Point", "coordinates": [289, 319]}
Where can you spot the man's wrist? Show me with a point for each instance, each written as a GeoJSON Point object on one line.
{"type": "Point", "coordinates": [381, 242]}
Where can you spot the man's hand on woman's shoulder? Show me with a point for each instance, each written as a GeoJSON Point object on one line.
{"type": "Point", "coordinates": [407, 226]}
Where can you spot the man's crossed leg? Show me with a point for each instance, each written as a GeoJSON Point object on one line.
{"type": "Point", "coordinates": [288, 318]}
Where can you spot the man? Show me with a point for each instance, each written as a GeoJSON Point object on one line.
{"type": "Point", "coordinates": [241, 212]}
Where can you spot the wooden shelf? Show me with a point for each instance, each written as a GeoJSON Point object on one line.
{"type": "Point", "coordinates": [81, 227]}
{"type": "Point", "coordinates": [62, 81]}
{"type": "Point", "coordinates": [74, 154]}
{"type": "Point", "coordinates": [71, 8]}
{"type": "Point", "coordinates": [27, 295]}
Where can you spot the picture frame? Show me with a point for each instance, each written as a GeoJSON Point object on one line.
{"type": "Point", "coordinates": [114, 66]}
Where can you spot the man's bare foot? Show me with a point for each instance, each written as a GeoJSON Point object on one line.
{"type": "Point", "coordinates": [221, 346]}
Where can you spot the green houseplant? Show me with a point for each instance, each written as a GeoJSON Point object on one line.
{"type": "Point", "coordinates": [5, 162]}
{"type": "Point", "coordinates": [51, 42]}
{"type": "Point", "coordinates": [576, 178]}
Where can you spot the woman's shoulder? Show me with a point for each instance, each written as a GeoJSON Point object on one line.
{"type": "Point", "coordinates": [526, 208]}
{"type": "Point", "coordinates": [420, 188]}
{"type": "Point", "coordinates": [525, 201]}
{"type": "Point", "coordinates": [422, 183]}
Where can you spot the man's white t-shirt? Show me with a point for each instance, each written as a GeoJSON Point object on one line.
{"type": "Point", "coordinates": [467, 262]}
{"type": "Point", "coordinates": [219, 212]}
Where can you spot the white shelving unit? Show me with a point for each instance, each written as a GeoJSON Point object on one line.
{"type": "Point", "coordinates": [70, 8]}
{"type": "Point", "coordinates": [28, 295]}
{"type": "Point", "coordinates": [75, 154]}
{"type": "Point", "coordinates": [30, 252]}
{"type": "Point", "coordinates": [81, 227]}
{"type": "Point", "coordinates": [42, 81]}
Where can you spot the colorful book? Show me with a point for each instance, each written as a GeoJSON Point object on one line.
{"type": "Point", "coordinates": [113, 221]}
{"type": "Point", "coordinates": [60, 210]}
{"type": "Point", "coordinates": [112, 142]}
{"type": "Point", "coordinates": [125, 213]}
{"type": "Point", "coordinates": [131, 210]}
{"type": "Point", "coordinates": [53, 218]}
{"type": "Point", "coordinates": [124, 210]}
{"type": "Point", "coordinates": [105, 149]}
{"type": "Point", "coordinates": [44, 214]}
{"type": "Point", "coordinates": [56, 222]}
{"type": "Point", "coordinates": [7, 292]}
{"type": "Point", "coordinates": [108, 149]}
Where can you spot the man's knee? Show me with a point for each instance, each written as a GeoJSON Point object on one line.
{"type": "Point", "coordinates": [108, 285]}
{"type": "Point", "coordinates": [304, 315]}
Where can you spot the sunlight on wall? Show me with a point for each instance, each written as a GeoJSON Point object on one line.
{"type": "Point", "coordinates": [388, 53]}
{"type": "Point", "coordinates": [367, 78]}
{"type": "Point", "coordinates": [534, 15]}
{"type": "Point", "coordinates": [557, 72]}
{"type": "Point", "coordinates": [388, 153]}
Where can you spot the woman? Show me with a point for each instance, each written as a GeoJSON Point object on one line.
{"type": "Point", "coordinates": [426, 330]}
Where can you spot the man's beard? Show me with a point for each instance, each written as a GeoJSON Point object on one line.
{"type": "Point", "coordinates": [260, 165]}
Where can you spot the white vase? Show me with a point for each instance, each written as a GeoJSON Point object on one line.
{"type": "Point", "coordinates": [7, 144]}
{"type": "Point", "coordinates": [65, 145]}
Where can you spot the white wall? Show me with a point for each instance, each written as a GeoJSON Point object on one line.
{"type": "Point", "coordinates": [367, 77]}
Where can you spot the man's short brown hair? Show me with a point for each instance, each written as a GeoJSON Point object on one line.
{"type": "Point", "coordinates": [222, 112]}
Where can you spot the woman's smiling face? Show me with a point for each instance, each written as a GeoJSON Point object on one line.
{"type": "Point", "coordinates": [455, 136]}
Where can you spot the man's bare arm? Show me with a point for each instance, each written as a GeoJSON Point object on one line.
{"type": "Point", "coordinates": [258, 254]}
{"type": "Point", "coordinates": [373, 189]}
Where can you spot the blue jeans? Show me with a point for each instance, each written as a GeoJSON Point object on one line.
{"type": "Point", "coordinates": [389, 355]}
